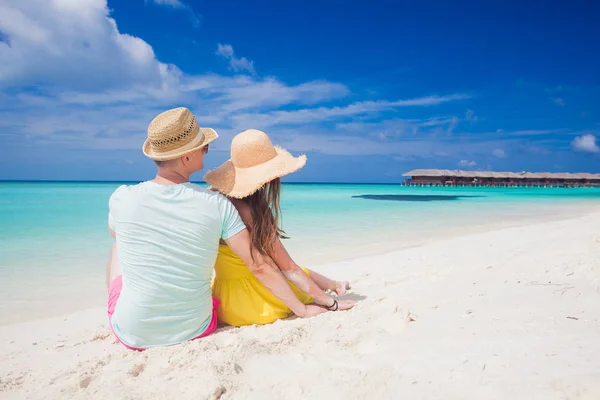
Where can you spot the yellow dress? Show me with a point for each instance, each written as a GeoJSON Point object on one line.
{"type": "Point", "coordinates": [244, 300]}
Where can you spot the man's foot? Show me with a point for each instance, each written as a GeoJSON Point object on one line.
{"type": "Point", "coordinates": [341, 287]}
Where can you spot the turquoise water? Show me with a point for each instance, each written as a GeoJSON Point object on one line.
{"type": "Point", "coordinates": [55, 240]}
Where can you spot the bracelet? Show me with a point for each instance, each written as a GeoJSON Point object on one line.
{"type": "Point", "coordinates": [335, 304]}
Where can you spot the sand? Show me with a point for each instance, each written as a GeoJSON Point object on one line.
{"type": "Point", "coordinates": [506, 314]}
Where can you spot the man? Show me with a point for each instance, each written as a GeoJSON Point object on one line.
{"type": "Point", "coordinates": [167, 234]}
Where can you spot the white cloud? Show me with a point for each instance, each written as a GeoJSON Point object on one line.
{"type": "Point", "coordinates": [347, 141]}
{"type": "Point", "coordinates": [429, 100]}
{"type": "Point", "coordinates": [225, 50]}
{"type": "Point", "coordinates": [534, 132]}
{"type": "Point", "coordinates": [330, 113]}
{"type": "Point", "coordinates": [179, 5]}
{"type": "Point", "coordinates": [437, 121]}
{"type": "Point", "coordinates": [338, 143]}
{"type": "Point", "coordinates": [74, 44]}
{"type": "Point", "coordinates": [236, 64]}
{"type": "Point", "coordinates": [243, 93]}
{"type": "Point", "coordinates": [467, 163]}
{"type": "Point", "coordinates": [525, 134]}
{"type": "Point", "coordinates": [471, 117]}
{"type": "Point", "coordinates": [453, 124]}
{"type": "Point", "coordinates": [559, 101]}
{"type": "Point", "coordinates": [96, 88]}
{"type": "Point", "coordinates": [586, 143]}
{"type": "Point", "coordinates": [499, 153]}
{"type": "Point", "coordinates": [87, 74]}
{"type": "Point", "coordinates": [170, 3]}
{"type": "Point", "coordinates": [384, 130]}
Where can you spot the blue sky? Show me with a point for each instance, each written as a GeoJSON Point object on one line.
{"type": "Point", "coordinates": [367, 89]}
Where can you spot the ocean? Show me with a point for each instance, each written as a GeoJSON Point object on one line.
{"type": "Point", "coordinates": [55, 240]}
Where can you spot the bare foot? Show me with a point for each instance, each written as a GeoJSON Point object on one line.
{"type": "Point", "coordinates": [311, 310]}
{"type": "Point", "coordinates": [345, 304]}
{"type": "Point", "coordinates": [341, 287]}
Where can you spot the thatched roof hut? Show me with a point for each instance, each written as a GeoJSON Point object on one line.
{"type": "Point", "coordinates": [586, 175]}
{"type": "Point", "coordinates": [506, 176]}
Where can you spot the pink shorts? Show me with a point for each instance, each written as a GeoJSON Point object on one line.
{"type": "Point", "coordinates": [113, 295]}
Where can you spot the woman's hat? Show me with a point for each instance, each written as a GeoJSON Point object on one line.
{"type": "Point", "coordinates": [175, 133]}
{"type": "Point", "coordinates": [254, 162]}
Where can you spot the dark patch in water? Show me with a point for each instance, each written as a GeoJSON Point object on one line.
{"type": "Point", "coordinates": [413, 197]}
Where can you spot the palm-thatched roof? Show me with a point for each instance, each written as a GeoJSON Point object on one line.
{"type": "Point", "coordinates": [501, 175]}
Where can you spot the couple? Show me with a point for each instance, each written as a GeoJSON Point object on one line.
{"type": "Point", "coordinates": [169, 234]}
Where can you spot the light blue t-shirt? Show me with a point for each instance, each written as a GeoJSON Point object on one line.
{"type": "Point", "coordinates": [167, 243]}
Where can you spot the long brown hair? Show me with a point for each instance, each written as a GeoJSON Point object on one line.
{"type": "Point", "coordinates": [264, 206]}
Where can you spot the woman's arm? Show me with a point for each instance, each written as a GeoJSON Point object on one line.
{"type": "Point", "coordinates": [269, 275]}
{"type": "Point", "coordinates": [297, 276]}
{"type": "Point", "coordinates": [286, 265]}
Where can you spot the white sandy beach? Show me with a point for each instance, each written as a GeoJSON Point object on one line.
{"type": "Point", "coordinates": [507, 314]}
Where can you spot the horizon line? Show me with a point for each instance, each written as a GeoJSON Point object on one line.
{"type": "Point", "coordinates": [193, 181]}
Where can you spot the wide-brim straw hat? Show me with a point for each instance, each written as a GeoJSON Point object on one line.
{"type": "Point", "coordinates": [254, 162]}
{"type": "Point", "coordinates": [175, 133]}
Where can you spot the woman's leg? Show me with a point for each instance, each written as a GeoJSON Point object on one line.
{"type": "Point", "coordinates": [325, 283]}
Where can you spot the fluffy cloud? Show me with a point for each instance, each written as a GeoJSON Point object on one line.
{"type": "Point", "coordinates": [235, 64]}
{"type": "Point", "coordinates": [466, 164]}
{"type": "Point", "coordinates": [74, 45]}
{"type": "Point", "coordinates": [247, 93]}
{"type": "Point", "coordinates": [225, 50]}
{"type": "Point", "coordinates": [586, 143]}
{"type": "Point", "coordinates": [499, 153]}
{"type": "Point", "coordinates": [97, 88]}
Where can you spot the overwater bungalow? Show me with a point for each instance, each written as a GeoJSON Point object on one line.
{"type": "Point", "coordinates": [444, 177]}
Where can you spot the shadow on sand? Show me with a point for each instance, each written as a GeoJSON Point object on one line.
{"type": "Point", "coordinates": [352, 296]}
{"type": "Point", "coordinates": [414, 197]}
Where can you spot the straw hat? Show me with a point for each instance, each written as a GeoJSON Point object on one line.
{"type": "Point", "coordinates": [254, 162]}
{"type": "Point", "coordinates": [175, 133]}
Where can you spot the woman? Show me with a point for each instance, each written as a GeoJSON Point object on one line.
{"type": "Point", "coordinates": [251, 181]}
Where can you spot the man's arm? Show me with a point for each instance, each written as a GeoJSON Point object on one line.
{"type": "Point", "coordinates": [269, 275]}
{"type": "Point", "coordinates": [112, 259]}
